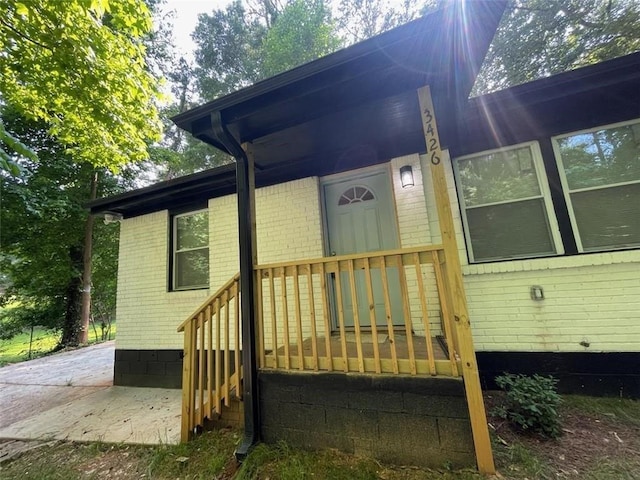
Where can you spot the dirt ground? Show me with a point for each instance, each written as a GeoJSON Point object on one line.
{"type": "Point", "coordinates": [589, 441]}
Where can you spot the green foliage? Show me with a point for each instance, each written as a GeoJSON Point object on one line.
{"type": "Point", "coordinates": [538, 38]}
{"type": "Point", "coordinates": [301, 33]}
{"type": "Point", "coordinates": [532, 403]}
{"type": "Point", "coordinates": [228, 53]}
{"type": "Point", "coordinates": [361, 19]}
{"type": "Point", "coordinates": [42, 235]}
{"type": "Point", "coordinates": [79, 66]}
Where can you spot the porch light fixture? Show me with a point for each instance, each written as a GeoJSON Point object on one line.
{"type": "Point", "coordinates": [406, 176]}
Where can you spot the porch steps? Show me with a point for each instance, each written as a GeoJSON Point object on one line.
{"type": "Point", "coordinates": [231, 416]}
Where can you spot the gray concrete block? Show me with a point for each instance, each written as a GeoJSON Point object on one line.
{"type": "Point", "coordinates": [455, 435]}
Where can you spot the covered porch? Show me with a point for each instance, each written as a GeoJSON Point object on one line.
{"type": "Point", "coordinates": [373, 313]}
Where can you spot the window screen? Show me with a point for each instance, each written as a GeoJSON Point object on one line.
{"type": "Point", "coordinates": [600, 170]}
{"type": "Point", "coordinates": [191, 250]}
{"type": "Point", "coordinates": [505, 204]}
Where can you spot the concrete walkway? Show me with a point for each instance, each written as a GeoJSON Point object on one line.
{"type": "Point", "coordinates": [70, 396]}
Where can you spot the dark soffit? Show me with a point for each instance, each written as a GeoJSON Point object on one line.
{"type": "Point", "coordinates": [353, 108]}
{"type": "Point", "coordinates": [309, 111]}
{"type": "Point", "coordinates": [598, 94]}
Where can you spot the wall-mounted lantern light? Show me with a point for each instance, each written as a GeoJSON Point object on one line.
{"type": "Point", "coordinates": [406, 176]}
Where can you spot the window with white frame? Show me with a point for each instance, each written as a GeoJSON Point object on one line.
{"type": "Point", "coordinates": [600, 173]}
{"type": "Point", "coordinates": [506, 204]}
{"type": "Point", "coordinates": [191, 250]}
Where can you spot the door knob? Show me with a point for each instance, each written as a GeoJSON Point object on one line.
{"type": "Point", "coordinates": [333, 254]}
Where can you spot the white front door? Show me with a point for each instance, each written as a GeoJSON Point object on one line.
{"type": "Point", "coordinates": [360, 217]}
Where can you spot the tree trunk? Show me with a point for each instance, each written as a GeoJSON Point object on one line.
{"type": "Point", "coordinates": [71, 325]}
{"type": "Point", "coordinates": [85, 313]}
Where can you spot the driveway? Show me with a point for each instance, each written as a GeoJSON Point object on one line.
{"type": "Point", "coordinates": [70, 396]}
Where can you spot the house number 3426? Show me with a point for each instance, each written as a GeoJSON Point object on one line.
{"type": "Point", "coordinates": [432, 141]}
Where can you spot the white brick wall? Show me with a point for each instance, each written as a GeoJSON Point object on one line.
{"type": "Point", "coordinates": [591, 298]}
{"type": "Point", "coordinates": [146, 313]}
{"type": "Point", "coordinates": [289, 228]}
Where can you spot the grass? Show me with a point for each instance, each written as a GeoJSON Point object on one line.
{"type": "Point", "coordinates": [619, 408]}
{"type": "Point", "coordinates": [16, 349]}
{"type": "Point", "coordinates": [210, 456]}
{"type": "Point", "coordinates": [285, 463]}
{"type": "Point", "coordinates": [517, 461]}
{"type": "Point", "coordinates": [206, 457]}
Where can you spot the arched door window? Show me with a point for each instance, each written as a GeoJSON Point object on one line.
{"type": "Point", "coordinates": [355, 195]}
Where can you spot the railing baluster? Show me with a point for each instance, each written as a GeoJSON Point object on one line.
{"type": "Point", "coordinates": [260, 318]}
{"type": "Point", "coordinates": [274, 324]}
{"type": "Point", "coordinates": [356, 316]}
{"type": "Point", "coordinates": [425, 315]}
{"type": "Point", "coordinates": [343, 337]}
{"type": "Point", "coordinates": [201, 366]}
{"type": "Point", "coordinates": [296, 295]}
{"type": "Point", "coordinates": [227, 359]}
{"type": "Point", "coordinates": [207, 371]}
{"type": "Point", "coordinates": [387, 311]}
{"type": "Point", "coordinates": [443, 293]}
{"type": "Point", "coordinates": [218, 393]}
{"type": "Point", "coordinates": [406, 310]}
{"type": "Point", "coordinates": [285, 318]}
{"type": "Point", "coordinates": [327, 317]}
{"type": "Point", "coordinates": [312, 315]}
{"type": "Point", "coordinates": [372, 316]}
{"type": "Point", "coordinates": [209, 361]}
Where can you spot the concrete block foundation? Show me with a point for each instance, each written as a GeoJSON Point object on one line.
{"type": "Point", "coordinates": [420, 421]}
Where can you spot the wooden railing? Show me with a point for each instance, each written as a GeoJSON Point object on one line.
{"type": "Point", "coordinates": [376, 312]}
{"type": "Point", "coordinates": [391, 313]}
{"type": "Point", "coordinates": [209, 375]}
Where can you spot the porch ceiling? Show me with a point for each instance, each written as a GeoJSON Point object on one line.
{"type": "Point", "coordinates": [359, 106]}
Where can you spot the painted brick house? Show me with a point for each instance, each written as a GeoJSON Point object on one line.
{"type": "Point", "coordinates": [366, 241]}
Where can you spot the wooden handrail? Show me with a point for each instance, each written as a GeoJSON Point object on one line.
{"type": "Point", "coordinates": [207, 379]}
{"type": "Point", "coordinates": [289, 294]}
{"type": "Point", "coordinates": [209, 302]}
{"type": "Point", "coordinates": [354, 256]}
{"type": "Point", "coordinates": [389, 333]}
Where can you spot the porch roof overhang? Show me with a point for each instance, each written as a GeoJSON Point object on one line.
{"type": "Point", "coordinates": [355, 107]}
{"type": "Point", "coordinates": [597, 94]}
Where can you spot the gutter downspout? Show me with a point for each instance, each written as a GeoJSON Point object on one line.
{"type": "Point", "coordinates": [244, 174]}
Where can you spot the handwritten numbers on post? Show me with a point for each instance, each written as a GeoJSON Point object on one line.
{"type": "Point", "coordinates": [432, 143]}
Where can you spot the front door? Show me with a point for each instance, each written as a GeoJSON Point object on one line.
{"type": "Point", "coordinates": [360, 217]}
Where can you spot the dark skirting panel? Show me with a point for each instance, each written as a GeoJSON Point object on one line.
{"type": "Point", "coordinates": [615, 374]}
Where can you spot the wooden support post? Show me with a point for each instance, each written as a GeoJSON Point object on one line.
{"type": "Point", "coordinates": [188, 372]}
{"type": "Point", "coordinates": [466, 351]}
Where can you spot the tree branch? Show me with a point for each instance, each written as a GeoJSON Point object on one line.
{"type": "Point", "coordinates": [25, 37]}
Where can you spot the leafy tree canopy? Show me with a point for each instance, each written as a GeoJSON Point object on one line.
{"type": "Point", "coordinates": [79, 66]}
{"type": "Point", "coordinates": [539, 38]}
{"type": "Point", "coordinates": [302, 32]}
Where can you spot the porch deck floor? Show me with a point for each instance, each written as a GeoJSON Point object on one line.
{"type": "Point", "coordinates": [384, 347]}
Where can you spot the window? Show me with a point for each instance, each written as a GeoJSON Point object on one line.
{"type": "Point", "coordinates": [355, 195]}
{"type": "Point", "coordinates": [600, 173]}
{"type": "Point", "coordinates": [191, 250]}
{"type": "Point", "coordinates": [506, 205]}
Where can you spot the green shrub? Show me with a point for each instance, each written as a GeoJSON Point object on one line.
{"type": "Point", "coordinates": [532, 403]}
